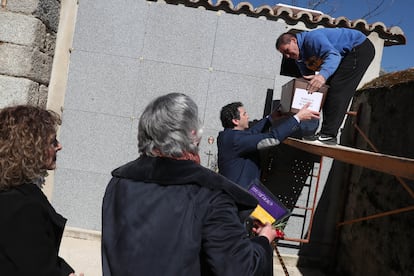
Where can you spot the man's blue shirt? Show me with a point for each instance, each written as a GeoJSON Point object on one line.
{"type": "Point", "coordinates": [323, 49]}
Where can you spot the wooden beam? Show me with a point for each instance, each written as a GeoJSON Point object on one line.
{"type": "Point", "coordinates": [393, 165]}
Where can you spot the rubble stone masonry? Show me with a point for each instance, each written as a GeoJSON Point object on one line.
{"type": "Point", "coordinates": [27, 44]}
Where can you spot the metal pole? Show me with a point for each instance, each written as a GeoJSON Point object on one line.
{"type": "Point", "coordinates": [397, 211]}
{"type": "Point", "coordinates": [282, 263]}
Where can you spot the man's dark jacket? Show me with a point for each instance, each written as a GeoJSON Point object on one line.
{"type": "Point", "coordinates": [30, 234]}
{"type": "Point", "coordinates": [174, 217]}
{"type": "Point", "coordinates": [238, 150]}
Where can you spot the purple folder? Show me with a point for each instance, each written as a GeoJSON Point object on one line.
{"type": "Point", "coordinates": [268, 201]}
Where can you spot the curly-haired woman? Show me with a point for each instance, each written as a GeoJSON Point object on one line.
{"type": "Point", "coordinates": [31, 230]}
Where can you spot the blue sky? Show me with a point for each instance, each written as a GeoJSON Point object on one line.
{"type": "Point", "coordinates": [393, 13]}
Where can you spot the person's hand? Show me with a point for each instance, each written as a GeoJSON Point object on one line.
{"type": "Point", "coordinates": [315, 82]}
{"type": "Point", "coordinates": [307, 114]}
{"type": "Point", "coordinates": [73, 274]}
{"type": "Point", "coordinates": [265, 230]}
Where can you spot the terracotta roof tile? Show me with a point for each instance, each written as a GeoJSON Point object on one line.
{"type": "Point", "coordinates": [292, 15]}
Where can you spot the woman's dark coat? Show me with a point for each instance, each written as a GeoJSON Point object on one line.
{"type": "Point", "coordinates": [30, 234]}
{"type": "Point", "coordinates": [173, 217]}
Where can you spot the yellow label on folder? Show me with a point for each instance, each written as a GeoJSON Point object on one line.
{"type": "Point", "coordinates": [262, 215]}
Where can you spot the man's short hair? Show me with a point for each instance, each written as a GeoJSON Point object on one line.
{"type": "Point", "coordinates": [283, 39]}
{"type": "Point", "coordinates": [230, 112]}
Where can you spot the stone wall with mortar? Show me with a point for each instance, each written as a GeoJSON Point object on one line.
{"type": "Point", "coordinates": [27, 44]}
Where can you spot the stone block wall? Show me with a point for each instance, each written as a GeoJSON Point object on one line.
{"type": "Point", "coordinates": [27, 45]}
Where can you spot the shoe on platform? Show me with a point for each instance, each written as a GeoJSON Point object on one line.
{"type": "Point", "coordinates": [312, 137]}
{"type": "Point", "coordinates": [327, 139]}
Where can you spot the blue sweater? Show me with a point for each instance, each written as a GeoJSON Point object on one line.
{"type": "Point", "coordinates": [323, 49]}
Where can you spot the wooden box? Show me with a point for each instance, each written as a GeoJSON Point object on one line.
{"type": "Point", "coordinates": [294, 96]}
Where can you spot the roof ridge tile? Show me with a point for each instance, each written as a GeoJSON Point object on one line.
{"type": "Point", "coordinates": [292, 15]}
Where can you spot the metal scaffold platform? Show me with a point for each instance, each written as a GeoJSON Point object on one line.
{"type": "Point", "coordinates": [293, 175]}
{"type": "Point", "coordinates": [394, 165]}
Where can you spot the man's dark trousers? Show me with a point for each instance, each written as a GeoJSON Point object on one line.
{"type": "Point", "coordinates": [343, 84]}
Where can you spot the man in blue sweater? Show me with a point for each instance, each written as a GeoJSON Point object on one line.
{"type": "Point", "coordinates": [239, 146]}
{"type": "Point", "coordinates": [338, 57]}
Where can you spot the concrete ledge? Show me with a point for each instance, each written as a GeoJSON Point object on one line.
{"type": "Point", "coordinates": [83, 234]}
{"type": "Point", "coordinates": [81, 248]}
{"type": "Point", "coordinates": [92, 235]}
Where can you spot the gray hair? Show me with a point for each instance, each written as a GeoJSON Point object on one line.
{"type": "Point", "coordinates": [169, 126]}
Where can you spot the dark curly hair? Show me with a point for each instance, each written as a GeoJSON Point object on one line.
{"type": "Point", "coordinates": [25, 133]}
{"type": "Point", "coordinates": [228, 113]}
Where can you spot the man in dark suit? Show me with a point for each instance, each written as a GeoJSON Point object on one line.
{"type": "Point", "coordinates": [165, 214]}
{"type": "Point", "coordinates": [239, 145]}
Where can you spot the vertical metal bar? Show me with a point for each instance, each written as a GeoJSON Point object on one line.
{"type": "Point", "coordinates": [312, 208]}
{"type": "Point", "coordinates": [314, 198]}
{"type": "Point", "coordinates": [282, 263]}
{"type": "Point", "coordinates": [365, 137]}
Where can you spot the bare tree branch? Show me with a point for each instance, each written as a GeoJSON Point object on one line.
{"type": "Point", "coordinates": [376, 10]}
